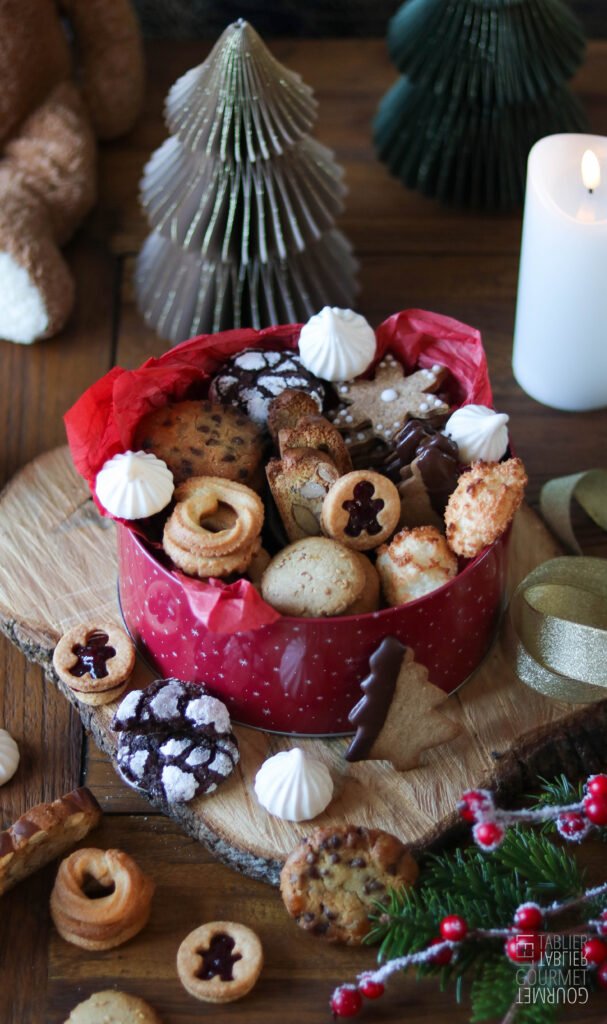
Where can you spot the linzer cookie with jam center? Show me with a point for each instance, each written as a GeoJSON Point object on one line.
{"type": "Point", "coordinates": [220, 961]}
{"type": "Point", "coordinates": [333, 880]}
{"type": "Point", "coordinates": [95, 660]}
{"type": "Point", "coordinates": [203, 439]}
{"type": "Point", "coordinates": [361, 510]}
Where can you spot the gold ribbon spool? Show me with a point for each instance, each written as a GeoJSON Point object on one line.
{"type": "Point", "coordinates": [558, 629]}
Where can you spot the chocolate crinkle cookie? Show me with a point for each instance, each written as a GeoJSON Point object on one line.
{"type": "Point", "coordinates": [174, 741]}
{"type": "Point", "coordinates": [251, 379]}
{"type": "Point", "coordinates": [334, 879]}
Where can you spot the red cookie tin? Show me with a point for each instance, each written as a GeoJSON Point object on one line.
{"type": "Point", "coordinates": [292, 675]}
{"type": "Point", "coordinates": [303, 675]}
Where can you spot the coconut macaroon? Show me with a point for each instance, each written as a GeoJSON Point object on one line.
{"type": "Point", "coordinates": [415, 562]}
{"type": "Point", "coordinates": [483, 505]}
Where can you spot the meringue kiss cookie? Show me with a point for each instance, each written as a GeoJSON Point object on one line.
{"type": "Point", "coordinates": [9, 756]}
{"type": "Point", "coordinates": [337, 344]}
{"type": "Point", "coordinates": [293, 786]}
{"type": "Point", "coordinates": [480, 433]}
{"type": "Point", "coordinates": [134, 485]}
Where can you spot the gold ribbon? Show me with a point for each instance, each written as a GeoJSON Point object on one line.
{"type": "Point", "coordinates": [558, 629]}
{"type": "Point", "coordinates": [589, 489]}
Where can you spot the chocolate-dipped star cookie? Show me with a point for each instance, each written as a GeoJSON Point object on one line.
{"type": "Point", "coordinates": [390, 399]}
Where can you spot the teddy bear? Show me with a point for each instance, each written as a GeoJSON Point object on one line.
{"type": "Point", "coordinates": [71, 72]}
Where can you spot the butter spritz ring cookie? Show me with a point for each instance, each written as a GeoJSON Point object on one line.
{"type": "Point", "coordinates": [101, 898]}
{"type": "Point", "coordinates": [361, 510]}
{"type": "Point", "coordinates": [201, 536]}
{"type": "Point", "coordinates": [314, 576]}
{"type": "Point", "coordinates": [219, 962]}
{"type": "Point", "coordinates": [95, 660]}
{"type": "Point", "coordinates": [483, 505]}
{"type": "Point", "coordinates": [111, 1007]}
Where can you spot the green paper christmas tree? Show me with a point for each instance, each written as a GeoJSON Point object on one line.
{"type": "Point", "coordinates": [241, 200]}
{"type": "Point", "coordinates": [482, 80]}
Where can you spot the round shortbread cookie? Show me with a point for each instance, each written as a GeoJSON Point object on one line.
{"type": "Point", "coordinates": [314, 576]}
{"type": "Point", "coordinates": [111, 1007]}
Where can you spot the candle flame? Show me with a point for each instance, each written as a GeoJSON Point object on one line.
{"type": "Point", "coordinates": [591, 170]}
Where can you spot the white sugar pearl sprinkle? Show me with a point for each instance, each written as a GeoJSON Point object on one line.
{"type": "Point", "coordinates": [424, 406]}
{"type": "Point", "coordinates": [388, 395]}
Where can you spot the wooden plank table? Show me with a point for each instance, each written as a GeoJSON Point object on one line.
{"type": "Point", "coordinates": [412, 253]}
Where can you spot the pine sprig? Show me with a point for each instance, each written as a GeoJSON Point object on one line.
{"type": "Point", "coordinates": [479, 914]}
{"type": "Point", "coordinates": [493, 990]}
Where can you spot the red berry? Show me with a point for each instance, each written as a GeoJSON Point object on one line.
{"type": "Point", "coordinates": [597, 785]}
{"type": "Point", "coordinates": [442, 956]}
{"type": "Point", "coordinates": [346, 1001]}
{"type": "Point", "coordinates": [371, 989]}
{"type": "Point", "coordinates": [529, 917]}
{"type": "Point", "coordinates": [595, 951]}
{"type": "Point", "coordinates": [572, 825]}
{"type": "Point", "coordinates": [525, 949]}
{"type": "Point", "coordinates": [595, 808]}
{"type": "Point", "coordinates": [454, 928]}
{"type": "Point", "coordinates": [601, 976]}
{"type": "Point", "coordinates": [474, 803]}
{"type": "Point", "coordinates": [488, 834]}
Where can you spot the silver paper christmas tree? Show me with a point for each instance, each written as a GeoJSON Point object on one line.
{"type": "Point", "coordinates": [242, 202]}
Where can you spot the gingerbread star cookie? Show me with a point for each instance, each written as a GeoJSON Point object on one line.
{"type": "Point", "coordinates": [390, 399]}
{"type": "Point", "coordinates": [396, 719]}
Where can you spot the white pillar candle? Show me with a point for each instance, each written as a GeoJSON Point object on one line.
{"type": "Point", "coordinates": [560, 337]}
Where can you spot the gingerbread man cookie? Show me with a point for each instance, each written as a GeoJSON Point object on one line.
{"type": "Point", "coordinates": [220, 961]}
{"type": "Point", "coordinates": [95, 660]}
{"type": "Point", "coordinates": [361, 510]}
{"type": "Point", "coordinates": [390, 398]}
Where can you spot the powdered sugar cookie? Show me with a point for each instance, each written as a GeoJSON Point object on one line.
{"type": "Point", "coordinates": [174, 741]}
{"type": "Point", "coordinates": [251, 379]}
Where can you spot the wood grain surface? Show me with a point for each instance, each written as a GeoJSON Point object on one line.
{"type": "Point", "coordinates": [412, 253]}
{"type": "Point", "coordinates": [67, 574]}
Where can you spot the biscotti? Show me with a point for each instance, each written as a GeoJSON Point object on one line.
{"type": "Point", "coordinates": [44, 832]}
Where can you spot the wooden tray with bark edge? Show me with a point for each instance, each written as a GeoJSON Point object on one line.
{"type": "Point", "coordinates": [58, 567]}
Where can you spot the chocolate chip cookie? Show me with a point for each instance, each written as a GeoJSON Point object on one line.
{"type": "Point", "coordinates": [331, 882]}
{"type": "Point", "coordinates": [203, 439]}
